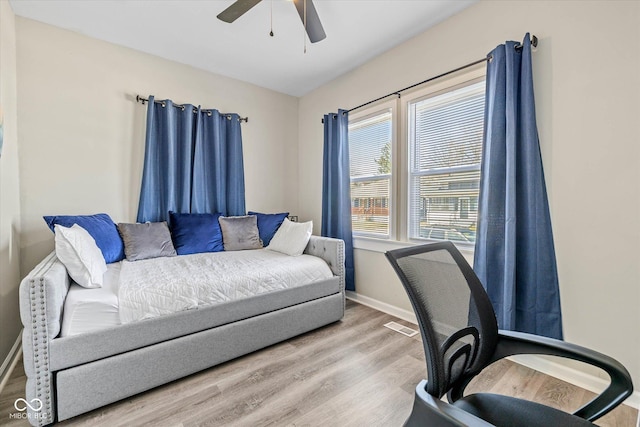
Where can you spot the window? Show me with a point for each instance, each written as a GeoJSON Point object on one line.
{"type": "Point", "coordinates": [445, 150]}
{"type": "Point", "coordinates": [370, 144]}
{"type": "Point", "coordinates": [426, 186]}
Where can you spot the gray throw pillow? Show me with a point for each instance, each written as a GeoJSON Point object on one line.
{"type": "Point", "coordinates": [148, 240]}
{"type": "Point", "coordinates": [240, 232]}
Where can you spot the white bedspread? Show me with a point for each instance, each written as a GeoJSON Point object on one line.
{"type": "Point", "coordinates": [89, 310]}
{"type": "Point", "coordinates": [159, 286]}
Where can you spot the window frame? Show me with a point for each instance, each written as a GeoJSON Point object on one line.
{"type": "Point", "coordinates": [415, 98]}
{"type": "Point", "coordinates": [400, 151]}
{"type": "Point", "coordinates": [364, 114]}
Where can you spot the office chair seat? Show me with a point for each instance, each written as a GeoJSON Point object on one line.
{"type": "Point", "coordinates": [509, 411]}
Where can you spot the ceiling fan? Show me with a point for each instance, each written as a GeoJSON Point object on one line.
{"type": "Point", "coordinates": [306, 10]}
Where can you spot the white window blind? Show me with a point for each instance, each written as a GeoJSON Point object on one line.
{"type": "Point", "coordinates": [370, 149]}
{"type": "Point", "coordinates": [445, 146]}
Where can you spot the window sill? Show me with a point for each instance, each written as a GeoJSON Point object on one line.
{"type": "Point", "coordinates": [383, 245]}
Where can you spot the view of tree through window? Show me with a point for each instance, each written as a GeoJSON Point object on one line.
{"type": "Point", "coordinates": [384, 161]}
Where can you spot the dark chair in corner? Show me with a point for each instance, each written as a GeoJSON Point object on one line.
{"type": "Point", "coordinates": [461, 337]}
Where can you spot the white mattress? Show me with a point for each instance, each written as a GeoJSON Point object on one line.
{"type": "Point", "coordinates": [160, 286]}
{"type": "Point", "coordinates": [88, 310]}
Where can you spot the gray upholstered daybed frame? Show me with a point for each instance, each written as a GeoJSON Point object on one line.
{"type": "Point", "coordinates": [79, 373]}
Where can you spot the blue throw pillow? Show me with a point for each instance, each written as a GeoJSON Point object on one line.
{"type": "Point", "coordinates": [268, 224]}
{"type": "Point", "coordinates": [100, 226]}
{"type": "Point", "coordinates": [195, 233]}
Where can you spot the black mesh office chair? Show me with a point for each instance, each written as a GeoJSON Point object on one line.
{"type": "Point", "coordinates": [461, 337]}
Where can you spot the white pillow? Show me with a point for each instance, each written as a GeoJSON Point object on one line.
{"type": "Point", "coordinates": [78, 251]}
{"type": "Point", "coordinates": [291, 238]}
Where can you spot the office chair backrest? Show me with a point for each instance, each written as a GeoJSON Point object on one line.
{"type": "Point", "coordinates": [455, 316]}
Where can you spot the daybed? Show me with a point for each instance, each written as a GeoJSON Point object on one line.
{"type": "Point", "coordinates": [74, 374]}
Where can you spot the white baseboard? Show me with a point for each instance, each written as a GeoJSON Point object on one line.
{"type": "Point", "coordinates": [10, 362]}
{"type": "Point", "coordinates": [400, 313]}
{"type": "Point", "coordinates": [573, 376]}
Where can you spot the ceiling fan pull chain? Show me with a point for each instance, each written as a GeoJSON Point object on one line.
{"type": "Point", "coordinates": [304, 33]}
{"type": "Point", "coordinates": [271, 32]}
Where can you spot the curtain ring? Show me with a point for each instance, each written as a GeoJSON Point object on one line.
{"type": "Point", "coordinates": [182, 107]}
{"type": "Point", "coordinates": [228, 117]}
{"type": "Point", "coordinates": [163, 104]}
{"type": "Point", "coordinates": [209, 113]}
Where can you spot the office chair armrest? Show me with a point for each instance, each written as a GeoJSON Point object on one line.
{"type": "Point", "coordinates": [512, 343]}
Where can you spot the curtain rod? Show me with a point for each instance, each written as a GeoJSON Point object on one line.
{"type": "Point", "coordinates": [142, 101]}
{"type": "Point", "coordinates": [534, 43]}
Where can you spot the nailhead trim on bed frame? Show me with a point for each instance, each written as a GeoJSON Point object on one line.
{"type": "Point", "coordinates": [39, 341]}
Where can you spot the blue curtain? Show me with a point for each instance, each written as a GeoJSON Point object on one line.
{"type": "Point", "coordinates": [193, 162]}
{"type": "Point", "coordinates": [514, 253]}
{"type": "Point", "coordinates": [336, 193]}
{"type": "Point", "coordinates": [218, 178]}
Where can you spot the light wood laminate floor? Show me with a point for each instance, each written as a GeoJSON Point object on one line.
{"type": "Point", "coordinates": [352, 373]}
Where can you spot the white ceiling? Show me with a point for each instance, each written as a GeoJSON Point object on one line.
{"type": "Point", "coordinates": [188, 31]}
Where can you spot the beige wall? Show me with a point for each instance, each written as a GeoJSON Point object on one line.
{"type": "Point", "coordinates": [9, 187]}
{"type": "Point", "coordinates": [82, 133]}
{"type": "Point", "coordinates": [587, 87]}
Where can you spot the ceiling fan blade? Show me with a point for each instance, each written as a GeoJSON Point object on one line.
{"type": "Point", "coordinates": [236, 10]}
{"type": "Point", "coordinates": [314, 26]}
